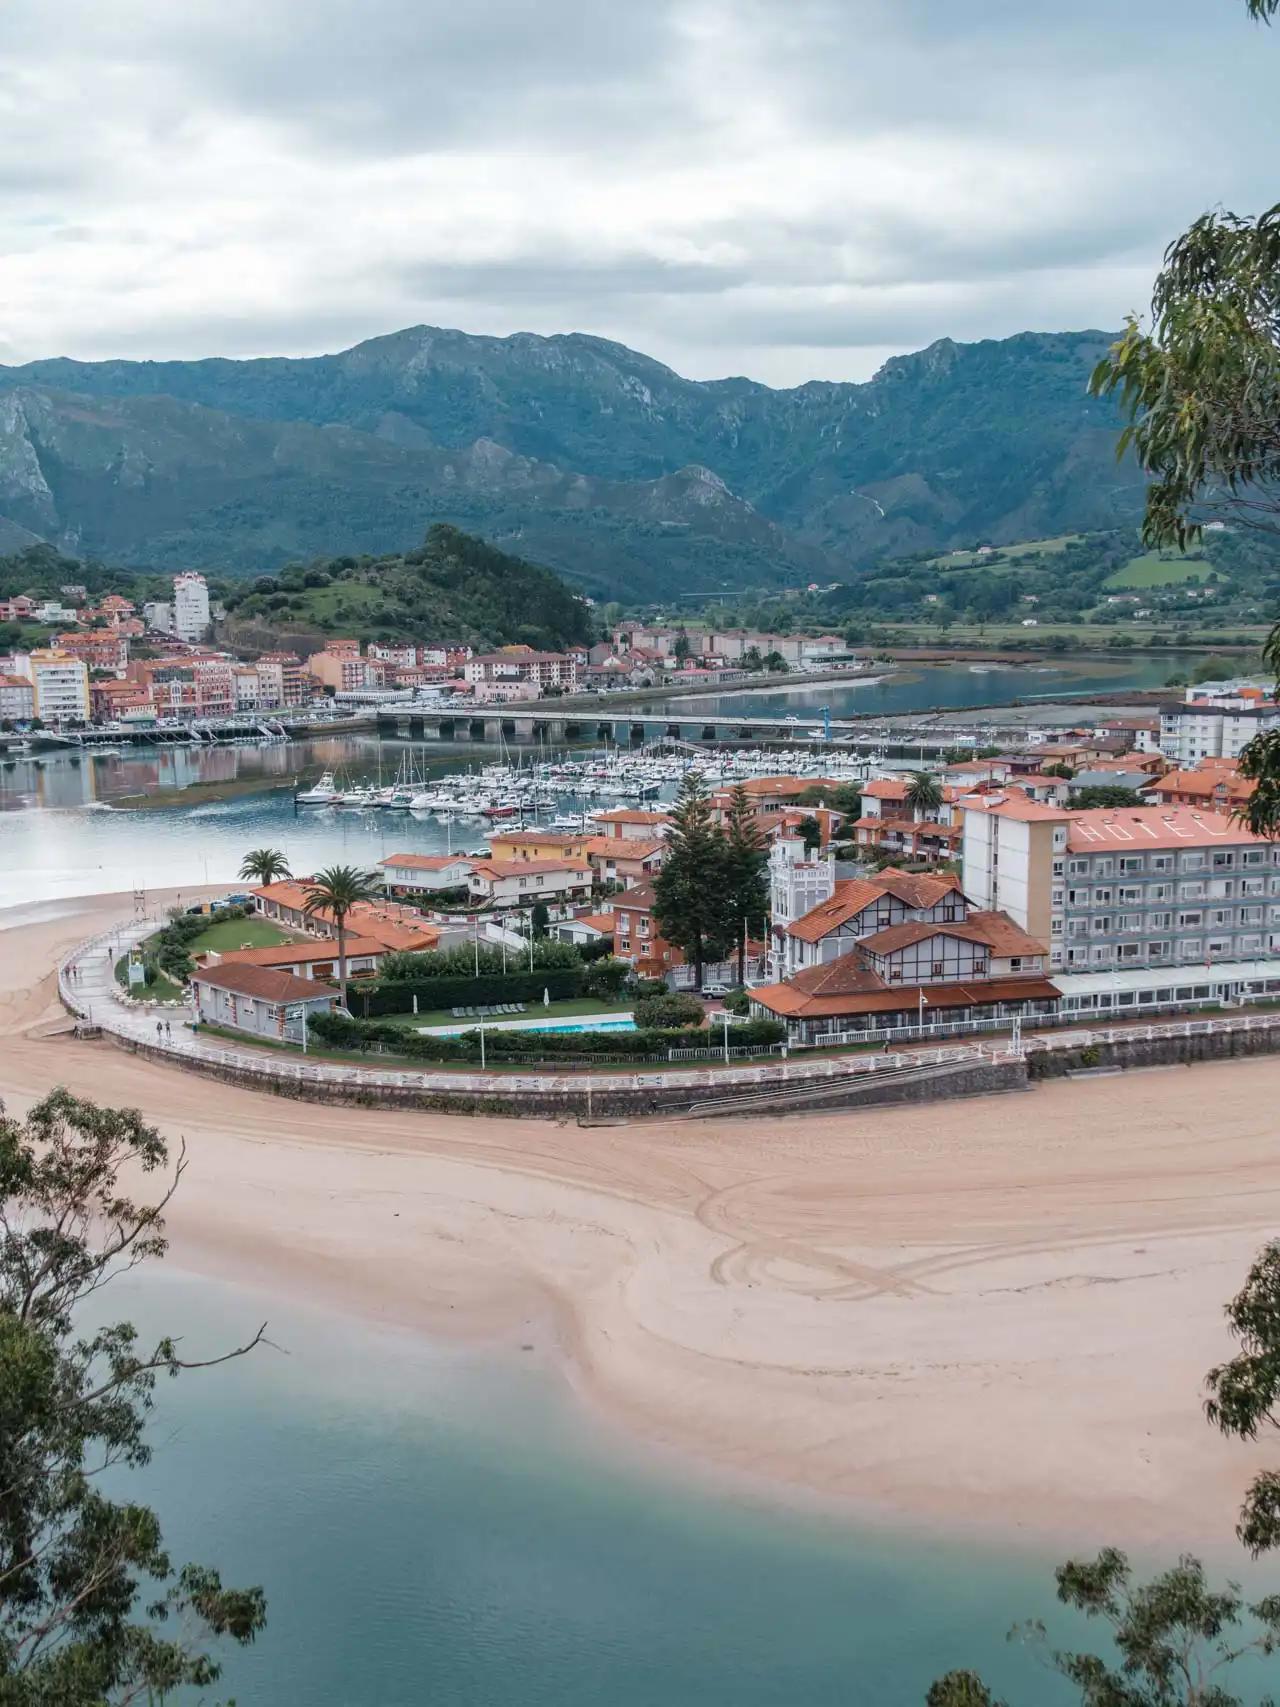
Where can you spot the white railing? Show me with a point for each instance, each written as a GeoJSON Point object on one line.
{"type": "Point", "coordinates": [1035, 1022]}
{"type": "Point", "coordinates": [101, 1005]}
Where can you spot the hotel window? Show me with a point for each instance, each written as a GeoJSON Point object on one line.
{"type": "Point", "coordinates": [1078, 867]}
{"type": "Point", "coordinates": [1223, 860]}
{"type": "Point", "coordinates": [1253, 885]}
{"type": "Point", "coordinates": [1250, 944]}
{"type": "Point", "coordinates": [1057, 867]}
{"type": "Point", "coordinates": [1253, 856]}
{"type": "Point", "coordinates": [1251, 915]}
{"type": "Point", "coordinates": [1130, 950]}
{"type": "Point", "coordinates": [1193, 862]}
{"type": "Point", "coordinates": [1131, 922]}
{"type": "Point", "coordinates": [1131, 862]}
{"type": "Point", "coordinates": [1102, 868]}
{"type": "Point", "coordinates": [1187, 921]}
{"type": "Point", "coordinates": [1102, 897]}
{"type": "Point", "coordinates": [1158, 950]}
{"type": "Point", "coordinates": [1219, 945]}
{"type": "Point", "coordinates": [1191, 948]}
{"type": "Point", "coordinates": [1131, 894]}
{"type": "Point", "coordinates": [1160, 921]}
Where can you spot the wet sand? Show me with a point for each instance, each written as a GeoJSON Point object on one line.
{"type": "Point", "coordinates": [993, 1313]}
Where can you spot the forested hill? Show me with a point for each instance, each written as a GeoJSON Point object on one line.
{"type": "Point", "coordinates": [451, 588]}
{"type": "Point", "coordinates": [626, 477]}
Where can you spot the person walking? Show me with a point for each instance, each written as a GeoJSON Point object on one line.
{"type": "Point", "coordinates": [159, 1030]}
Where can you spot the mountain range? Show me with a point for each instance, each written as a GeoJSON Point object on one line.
{"type": "Point", "coordinates": [579, 453]}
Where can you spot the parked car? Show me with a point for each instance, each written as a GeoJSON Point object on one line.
{"type": "Point", "coordinates": [715, 989]}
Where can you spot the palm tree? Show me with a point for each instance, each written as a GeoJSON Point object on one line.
{"type": "Point", "coordinates": [264, 865]}
{"type": "Point", "coordinates": [335, 891]}
{"type": "Point", "coordinates": [924, 794]}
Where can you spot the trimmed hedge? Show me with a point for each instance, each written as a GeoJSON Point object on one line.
{"type": "Point", "coordinates": [357, 1034]}
{"type": "Point", "coordinates": [487, 990]}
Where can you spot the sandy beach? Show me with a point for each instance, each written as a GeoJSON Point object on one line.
{"type": "Point", "coordinates": [994, 1313]}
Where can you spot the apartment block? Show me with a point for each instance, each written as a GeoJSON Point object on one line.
{"type": "Point", "coordinates": [190, 607]}
{"type": "Point", "coordinates": [1215, 726]}
{"type": "Point", "coordinates": [61, 687]}
{"type": "Point", "coordinates": [1126, 887]}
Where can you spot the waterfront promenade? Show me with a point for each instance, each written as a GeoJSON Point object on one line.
{"type": "Point", "coordinates": [88, 989]}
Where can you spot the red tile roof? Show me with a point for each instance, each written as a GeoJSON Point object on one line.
{"type": "Point", "coordinates": [510, 867]}
{"type": "Point", "coordinates": [262, 982]}
{"type": "Point", "coordinates": [622, 847]}
{"type": "Point", "coordinates": [791, 1002]}
{"type": "Point", "coordinates": [424, 862]}
{"type": "Point", "coordinates": [294, 953]}
{"type": "Point", "coordinates": [1133, 829]}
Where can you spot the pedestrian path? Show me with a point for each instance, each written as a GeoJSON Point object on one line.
{"type": "Point", "coordinates": [88, 988]}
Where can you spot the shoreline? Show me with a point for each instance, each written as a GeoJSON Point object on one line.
{"type": "Point", "coordinates": [970, 1321]}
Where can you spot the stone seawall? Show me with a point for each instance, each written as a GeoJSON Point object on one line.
{"type": "Point", "coordinates": [679, 1097]}
{"type": "Point", "coordinates": [1152, 1052]}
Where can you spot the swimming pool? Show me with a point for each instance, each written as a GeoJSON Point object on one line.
{"type": "Point", "coordinates": [588, 1022]}
{"type": "Point", "coordinates": [578, 1023]}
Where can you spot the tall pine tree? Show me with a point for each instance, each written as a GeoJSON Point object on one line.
{"type": "Point", "coordinates": [746, 872]}
{"type": "Point", "coordinates": [692, 903]}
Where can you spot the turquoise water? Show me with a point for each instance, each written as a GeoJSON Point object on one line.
{"type": "Point", "coordinates": [432, 1527]}
{"type": "Point", "coordinates": [587, 1025]}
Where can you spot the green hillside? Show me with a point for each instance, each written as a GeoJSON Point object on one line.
{"type": "Point", "coordinates": [452, 588]}
{"type": "Point", "coordinates": [1160, 569]}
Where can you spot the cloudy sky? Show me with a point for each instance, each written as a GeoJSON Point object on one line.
{"type": "Point", "coordinates": [788, 189]}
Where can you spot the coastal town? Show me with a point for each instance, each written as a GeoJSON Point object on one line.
{"type": "Point", "coordinates": [640, 855]}
{"type": "Point", "coordinates": [1103, 875]}
{"type": "Point", "coordinates": [120, 666]}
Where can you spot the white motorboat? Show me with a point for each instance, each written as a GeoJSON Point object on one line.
{"type": "Point", "coordinates": [323, 794]}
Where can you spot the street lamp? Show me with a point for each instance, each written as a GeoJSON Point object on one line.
{"type": "Point", "coordinates": [724, 1015]}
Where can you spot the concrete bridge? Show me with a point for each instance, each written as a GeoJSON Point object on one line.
{"type": "Point", "coordinates": [558, 725]}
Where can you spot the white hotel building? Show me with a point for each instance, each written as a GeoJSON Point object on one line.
{"type": "Point", "coordinates": [1140, 906]}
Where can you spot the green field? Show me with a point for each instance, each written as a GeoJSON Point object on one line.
{"type": "Point", "coordinates": [219, 936]}
{"type": "Point", "coordinates": [1091, 634]}
{"type": "Point", "coordinates": [225, 934]}
{"type": "Point", "coordinates": [163, 990]}
{"type": "Point", "coordinates": [1159, 569]}
{"type": "Point", "coordinates": [1009, 554]}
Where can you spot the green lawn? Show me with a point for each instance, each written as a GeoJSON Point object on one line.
{"type": "Point", "coordinates": [1009, 554]}
{"type": "Point", "coordinates": [163, 990]}
{"type": "Point", "coordinates": [1159, 569]}
{"type": "Point", "coordinates": [224, 934]}
{"type": "Point", "coordinates": [994, 635]}
{"type": "Point", "coordinates": [534, 1010]}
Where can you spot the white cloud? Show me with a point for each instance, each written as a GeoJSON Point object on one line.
{"type": "Point", "coordinates": [783, 188]}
